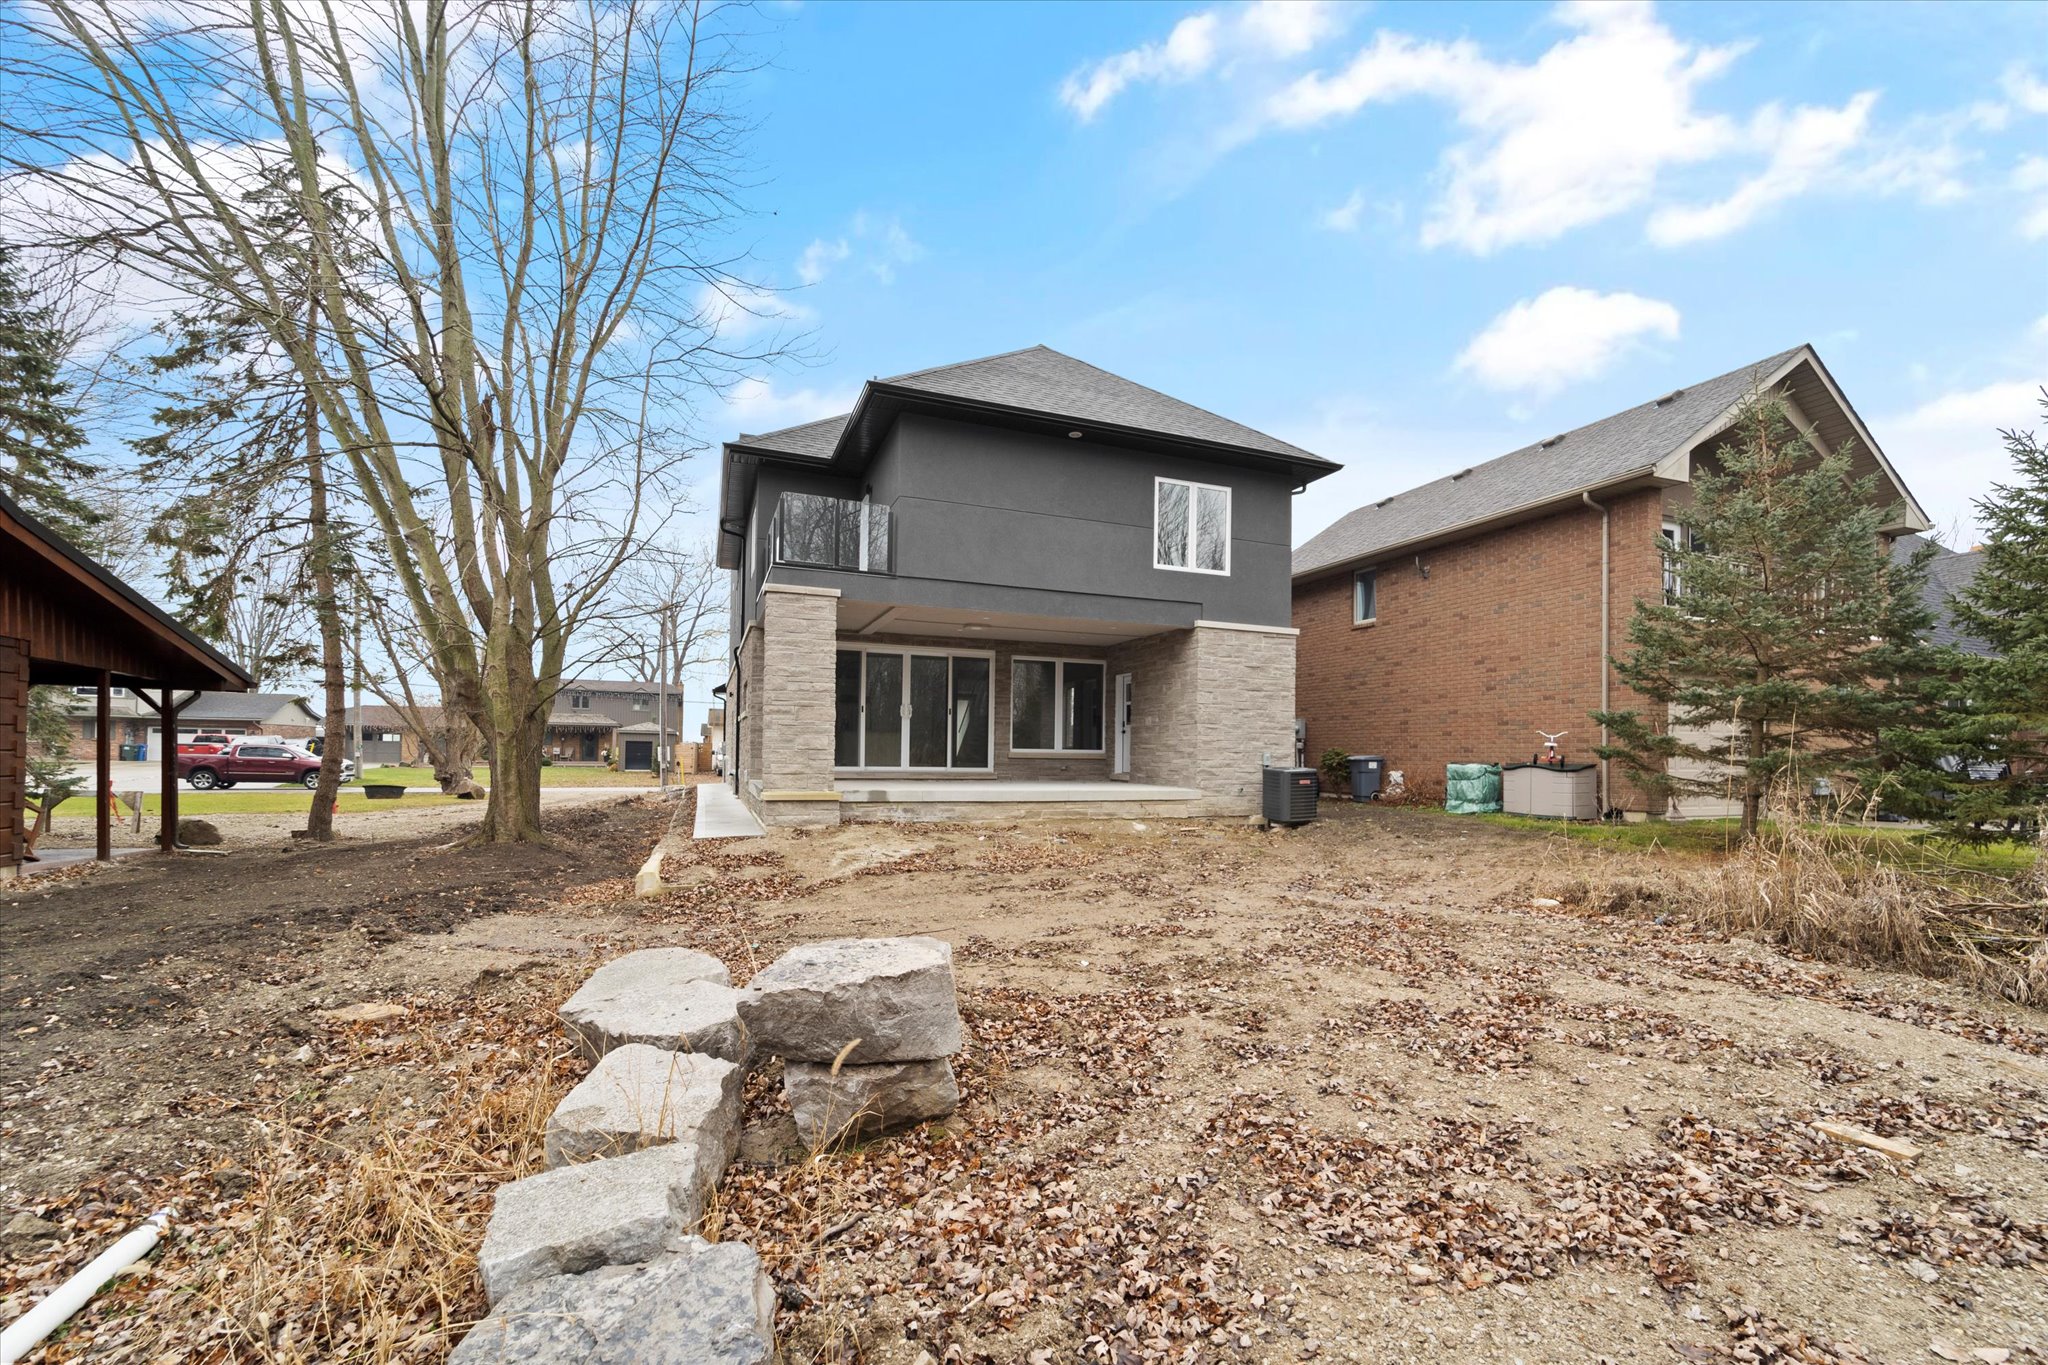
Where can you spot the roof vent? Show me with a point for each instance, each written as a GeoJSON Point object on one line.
{"type": "Point", "coordinates": [1545, 445]}
{"type": "Point", "coordinates": [1669, 397]}
{"type": "Point", "coordinates": [1384, 501]}
{"type": "Point", "coordinates": [1461, 473]}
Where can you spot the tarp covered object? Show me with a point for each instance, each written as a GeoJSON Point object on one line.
{"type": "Point", "coordinates": [1471, 788]}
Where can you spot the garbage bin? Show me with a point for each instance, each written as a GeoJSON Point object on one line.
{"type": "Point", "coordinates": [1290, 795]}
{"type": "Point", "coordinates": [131, 753]}
{"type": "Point", "coordinates": [1366, 770]}
{"type": "Point", "coordinates": [142, 753]}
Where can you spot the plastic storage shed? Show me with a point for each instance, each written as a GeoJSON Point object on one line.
{"type": "Point", "coordinates": [1568, 791]}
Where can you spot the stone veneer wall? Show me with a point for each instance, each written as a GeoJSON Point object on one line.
{"type": "Point", "coordinates": [1208, 706]}
{"type": "Point", "coordinates": [787, 677]}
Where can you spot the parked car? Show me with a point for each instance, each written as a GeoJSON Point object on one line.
{"type": "Point", "coordinates": [205, 744]}
{"type": "Point", "coordinates": [254, 761]}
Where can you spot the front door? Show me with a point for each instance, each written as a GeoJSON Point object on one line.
{"type": "Point", "coordinates": [590, 748]}
{"type": "Point", "coordinates": [1123, 725]}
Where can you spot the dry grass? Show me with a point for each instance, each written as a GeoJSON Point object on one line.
{"type": "Point", "coordinates": [1828, 895]}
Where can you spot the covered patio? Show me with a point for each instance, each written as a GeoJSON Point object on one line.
{"type": "Point", "coordinates": [65, 620]}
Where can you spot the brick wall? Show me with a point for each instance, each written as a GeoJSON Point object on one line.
{"type": "Point", "coordinates": [13, 751]}
{"type": "Point", "coordinates": [1500, 638]}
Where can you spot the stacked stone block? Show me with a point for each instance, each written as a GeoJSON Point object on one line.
{"type": "Point", "coordinates": [865, 1028]}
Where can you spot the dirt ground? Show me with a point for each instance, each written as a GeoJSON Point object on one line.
{"type": "Point", "coordinates": [1351, 1092]}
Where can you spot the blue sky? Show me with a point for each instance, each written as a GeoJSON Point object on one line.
{"type": "Point", "coordinates": [1411, 237]}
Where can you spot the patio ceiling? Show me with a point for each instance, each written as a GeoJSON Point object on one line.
{"type": "Point", "coordinates": [885, 619]}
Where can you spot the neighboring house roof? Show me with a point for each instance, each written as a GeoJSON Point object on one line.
{"type": "Point", "coordinates": [1628, 445]}
{"type": "Point", "coordinates": [582, 720]}
{"type": "Point", "coordinates": [1036, 388]}
{"type": "Point", "coordinates": [607, 685]}
{"type": "Point", "coordinates": [1948, 573]}
{"type": "Point", "coordinates": [252, 708]}
{"type": "Point", "coordinates": [647, 727]}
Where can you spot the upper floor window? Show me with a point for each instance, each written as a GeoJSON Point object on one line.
{"type": "Point", "coordinates": [1190, 526]}
{"type": "Point", "coordinates": [1674, 579]}
{"type": "Point", "coordinates": [579, 701]}
{"type": "Point", "coordinates": [639, 701]}
{"type": "Point", "coordinates": [1365, 596]}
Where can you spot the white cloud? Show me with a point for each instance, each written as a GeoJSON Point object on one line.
{"type": "Point", "coordinates": [885, 245]}
{"type": "Point", "coordinates": [2025, 90]}
{"type": "Point", "coordinates": [756, 405]}
{"type": "Point", "coordinates": [1200, 43]}
{"type": "Point", "coordinates": [1806, 145]}
{"type": "Point", "coordinates": [736, 311]}
{"type": "Point", "coordinates": [819, 258]}
{"type": "Point", "coordinates": [1563, 336]}
{"type": "Point", "coordinates": [2030, 179]}
{"type": "Point", "coordinates": [1574, 137]}
{"type": "Point", "coordinates": [1344, 217]}
{"type": "Point", "coordinates": [1949, 452]}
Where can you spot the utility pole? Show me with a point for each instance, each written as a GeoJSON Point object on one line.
{"type": "Point", "coordinates": [357, 756]}
{"type": "Point", "coordinates": [661, 705]}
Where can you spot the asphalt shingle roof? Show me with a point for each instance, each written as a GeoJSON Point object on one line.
{"type": "Point", "coordinates": [1039, 379]}
{"type": "Point", "coordinates": [1948, 573]}
{"type": "Point", "coordinates": [1586, 457]}
{"type": "Point", "coordinates": [252, 706]}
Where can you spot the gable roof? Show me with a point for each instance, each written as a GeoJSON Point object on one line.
{"type": "Point", "coordinates": [1948, 573]}
{"type": "Point", "coordinates": [1041, 380]}
{"type": "Point", "coordinates": [254, 707]}
{"type": "Point", "coordinates": [1650, 441]}
{"type": "Point", "coordinates": [1628, 443]}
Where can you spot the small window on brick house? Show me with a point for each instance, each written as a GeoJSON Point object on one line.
{"type": "Point", "coordinates": [579, 701]}
{"type": "Point", "coordinates": [1365, 596]}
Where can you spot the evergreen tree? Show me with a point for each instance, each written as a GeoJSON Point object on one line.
{"type": "Point", "coordinates": [1789, 643]}
{"type": "Point", "coordinates": [1997, 720]}
{"type": "Point", "coordinates": [38, 437]}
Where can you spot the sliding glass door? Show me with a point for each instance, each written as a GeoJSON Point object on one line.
{"type": "Point", "coordinates": [906, 709]}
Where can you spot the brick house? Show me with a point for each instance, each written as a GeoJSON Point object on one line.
{"type": "Point", "coordinates": [1009, 587]}
{"type": "Point", "coordinates": [1450, 622]}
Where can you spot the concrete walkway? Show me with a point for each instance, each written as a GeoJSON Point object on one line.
{"type": "Point", "coordinates": [722, 815]}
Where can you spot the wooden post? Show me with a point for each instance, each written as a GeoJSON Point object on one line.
{"type": "Point", "coordinates": [103, 817]}
{"type": "Point", "coordinates": [167, 799]}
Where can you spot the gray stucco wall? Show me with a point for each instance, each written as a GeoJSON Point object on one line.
{"type": "Point", "coordinates": [990, 519]}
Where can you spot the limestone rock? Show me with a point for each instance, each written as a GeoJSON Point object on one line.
{"type": "Point", "coordinates": [703, 1304]}
{"type": "Point", "coordinates": [640, 1096]}
{"type": "Point", "coordinates": [865, 1101]}
{"type": "Point", "coordinates": [693, 1016]}
{"type": "Point", "coordinates": [198, 833]}
{"type": "Point", "coordinates": [612, 1212]}
{"type": "Point", "coordinates": [893, 994]}
{"type": "Point", "coordinates": [368, 1012]}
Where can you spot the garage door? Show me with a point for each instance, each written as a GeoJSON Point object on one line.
{"type": "Point", "coordinates": [639, 755]}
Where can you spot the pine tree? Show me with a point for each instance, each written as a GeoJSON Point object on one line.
{"type": "Point", "coordinates": [1790, 643]}
{"type": "Point", "coordinates": [38, 437]}
{"type": "Point", "coordinates": [1997, 720]}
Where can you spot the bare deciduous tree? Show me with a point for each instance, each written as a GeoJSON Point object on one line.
{"type": "Point", "coordinates": [549, 187]}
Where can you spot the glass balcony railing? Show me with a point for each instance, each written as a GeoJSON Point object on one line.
{"type": "Point", "coordinates": [832, 533]}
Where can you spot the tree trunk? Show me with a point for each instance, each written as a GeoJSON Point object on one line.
{"type": "Point", "coordinates": [513, 813]}
{"type": "Point", "coordinates": [327, 611]}
{"type": "Point", "coordinates": [1752, 785]}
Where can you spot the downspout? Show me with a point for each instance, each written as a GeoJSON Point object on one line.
{"type": "Point", "coordinates": [1606, 542]}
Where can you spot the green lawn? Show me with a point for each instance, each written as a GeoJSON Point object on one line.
{"type": "Point", "coordinates": [1903, 846]}
{"type": "Point", "coordinates": [557, 776]}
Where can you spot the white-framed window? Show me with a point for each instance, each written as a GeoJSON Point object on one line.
{"type": "Point", "coordinates": [1190, 526]}
{"type": "Point", "coordinates": [579, 701]}
{"type": "Point", "coordinates": [640, 702]}
{"type": "Point", "coordinates": [1674, 579]}
{"type": "Point", "coordinates": [1365, 596]}
{"type": "Point", "coordinates": [94, 691]}
{"type": "Point", "coordinates": [1057, 706]}
{"type": "Point", "coordinates": [919, 709]}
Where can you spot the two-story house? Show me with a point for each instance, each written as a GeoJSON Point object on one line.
{"type": "Point", "coordinates": [596, 720]}
{"type": "Point", "coordinates": [1012, 586]}
{"type": "Point", "coordinates": [1451, 622]}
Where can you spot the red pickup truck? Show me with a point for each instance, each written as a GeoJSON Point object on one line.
{"type": "Point", "coordinates": [253, 761]}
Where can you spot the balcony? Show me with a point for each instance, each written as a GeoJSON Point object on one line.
{"type": "Point", "coordinates": [819, 532]}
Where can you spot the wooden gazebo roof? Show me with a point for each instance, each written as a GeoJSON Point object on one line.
{"type": "Point", "coordinates": [79, 619]}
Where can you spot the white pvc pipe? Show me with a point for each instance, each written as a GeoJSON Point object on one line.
{"type": "Point", "coordinates": [46, 1317]}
